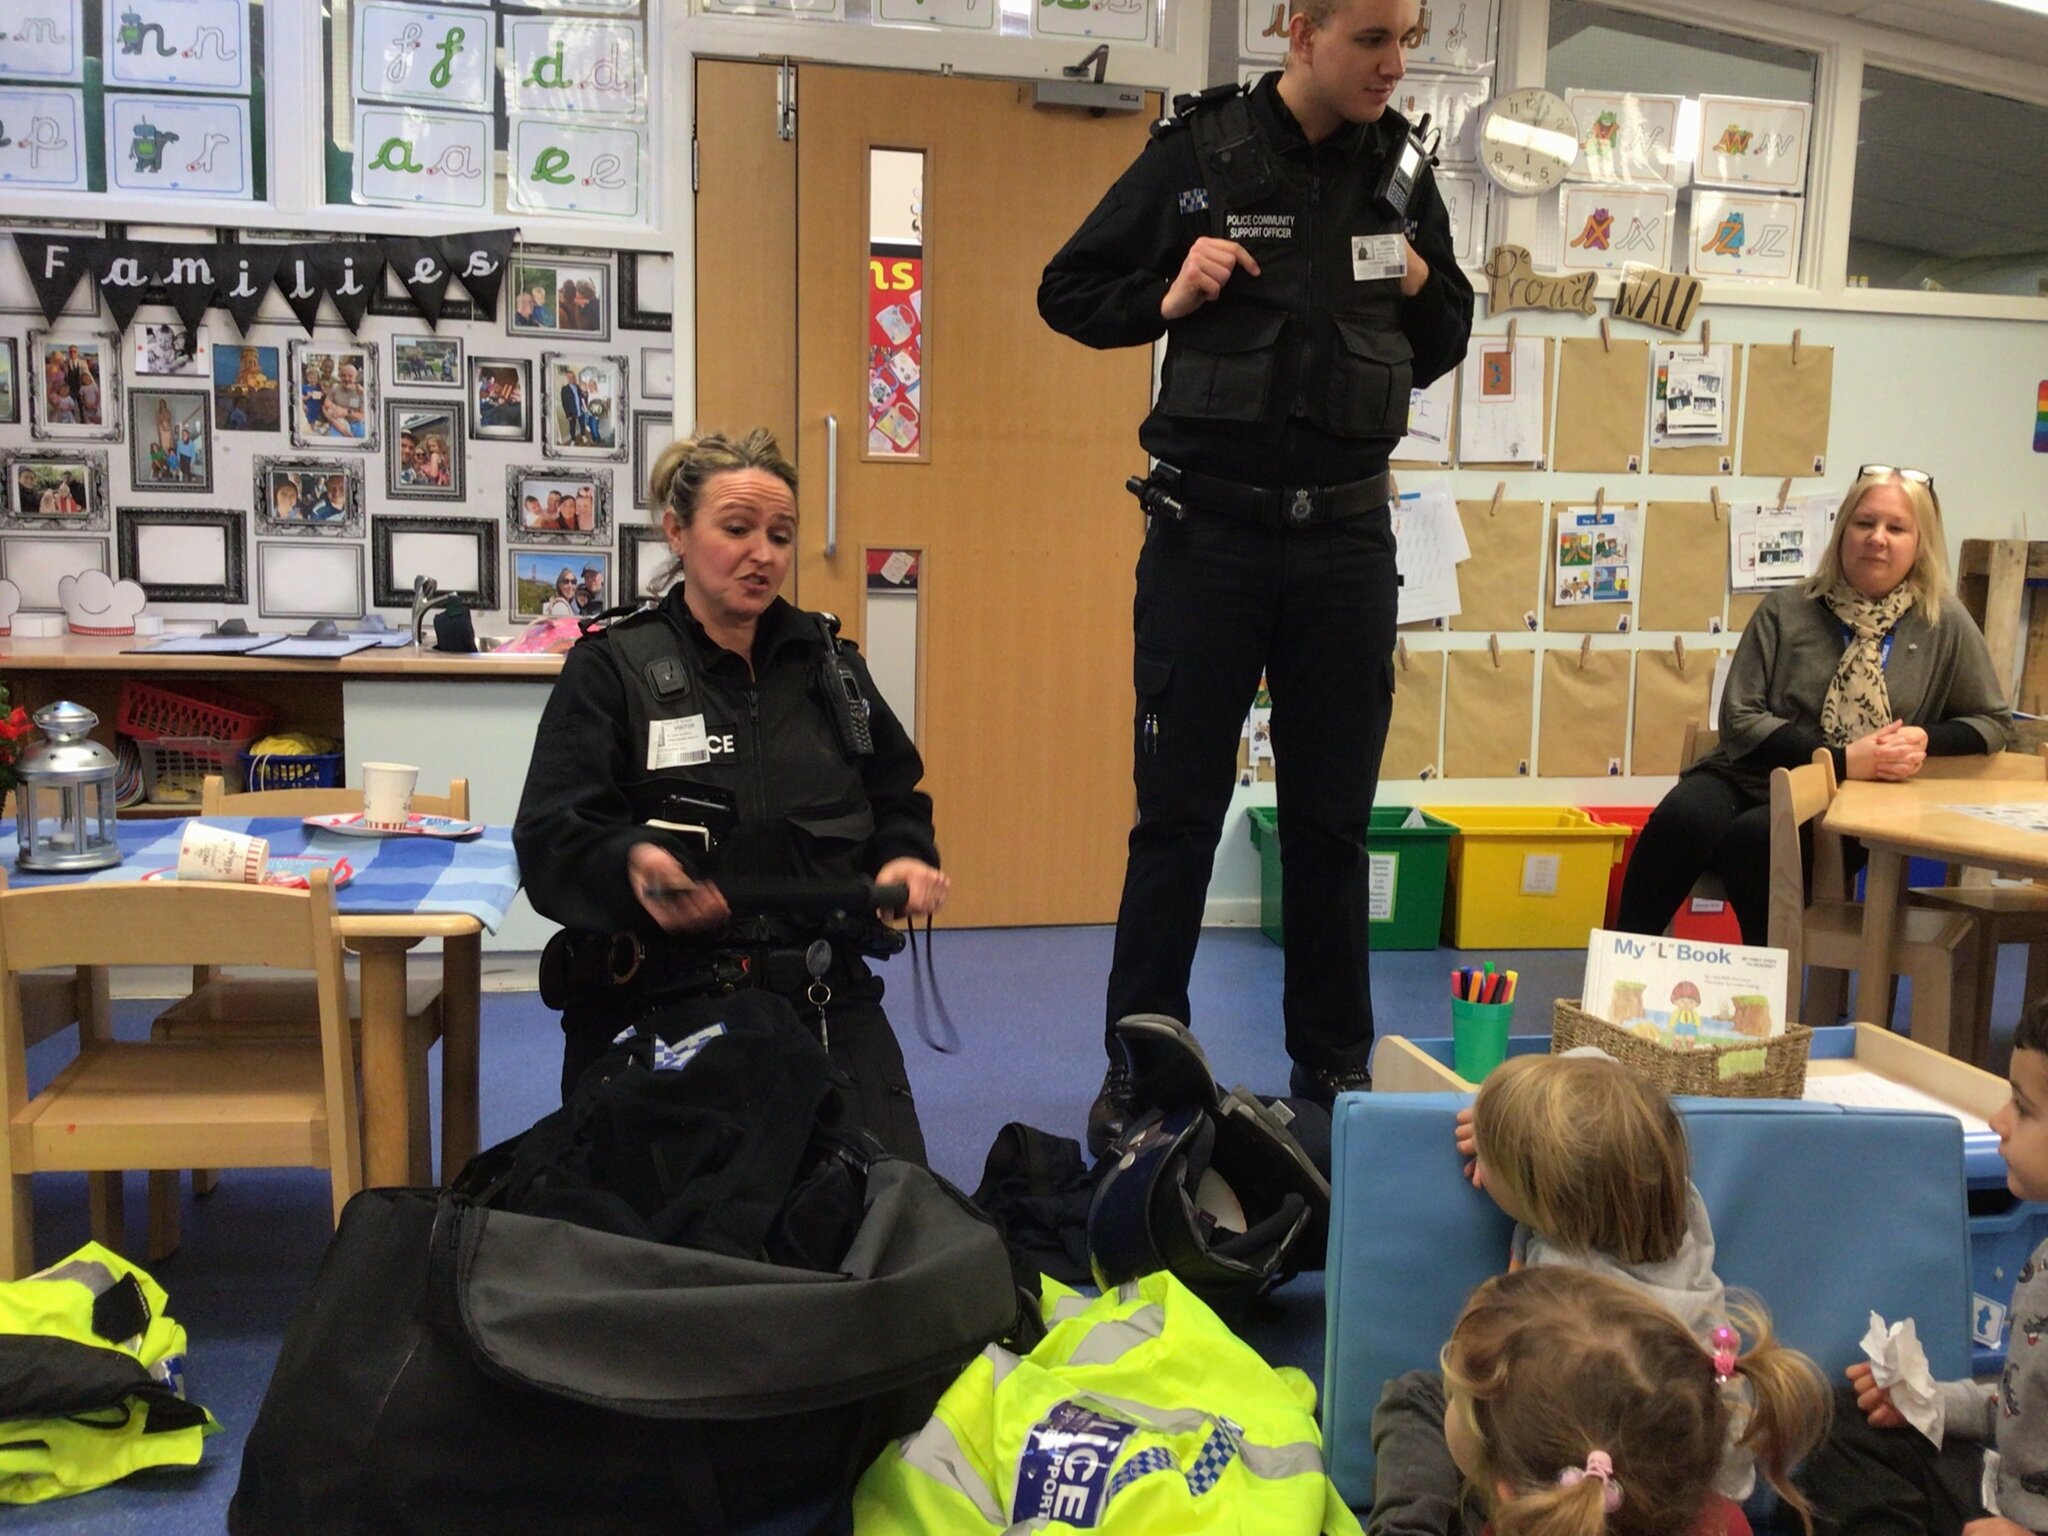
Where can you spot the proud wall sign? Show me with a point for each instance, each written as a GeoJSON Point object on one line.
{"type": "Point", "coordinates": [237, 277]}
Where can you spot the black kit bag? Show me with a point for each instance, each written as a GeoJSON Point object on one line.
{"type": "Point", "coordinates": [461, 1370]}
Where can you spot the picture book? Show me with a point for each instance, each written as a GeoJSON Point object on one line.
{"type": "Point", "coordinates": [1685, 993]}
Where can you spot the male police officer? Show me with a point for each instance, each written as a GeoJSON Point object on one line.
{"type": "Point", "coordinates": [1303, 288]}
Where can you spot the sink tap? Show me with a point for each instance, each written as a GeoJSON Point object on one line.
{"type": "Point", "coordinates": [426, 597]}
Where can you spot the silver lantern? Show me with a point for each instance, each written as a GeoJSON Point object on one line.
{"type": "Point", "coordinates": [64, 801]}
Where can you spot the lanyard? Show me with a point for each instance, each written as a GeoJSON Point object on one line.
{"type": "Point", "coordinates": [1884, 650]}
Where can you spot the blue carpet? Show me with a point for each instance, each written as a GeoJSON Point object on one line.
{"type": "Point", "coordinates": [1028, 1007]}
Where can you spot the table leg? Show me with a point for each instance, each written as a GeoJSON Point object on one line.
{"type": "Point", "coordinates": [387, 1096]}
{"type": "Point", "coordinates": [462, 958]}
{"type": "Point", "coordinates": [1881, 882]}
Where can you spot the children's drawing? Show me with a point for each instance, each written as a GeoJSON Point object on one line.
{"type": "Point", "coordinates": [1739, 235]}
{"type": "Point", "coordinates": [1749, 143]}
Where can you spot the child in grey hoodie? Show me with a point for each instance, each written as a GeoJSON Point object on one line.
{"type": "Point", "coordinates": [1591, 1161]}
{"type": "Point", "coordinates": [1988, 1474]}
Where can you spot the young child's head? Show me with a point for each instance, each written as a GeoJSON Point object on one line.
{"type": "Point", "coordinates": [2022, 1125]}
{"type": "Point", "coordinates": [1586, 1152]}
{"type": "Point", "coordinates": [1577, 1404]}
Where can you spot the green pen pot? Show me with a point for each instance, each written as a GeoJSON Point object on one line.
{"type": "Point", "coordinates": [1479, 1037]}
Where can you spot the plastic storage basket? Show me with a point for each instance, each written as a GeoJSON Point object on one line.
{"type": "Point", "coordinates": [174, 766]}
{"type": "Point", "coordinates": [149, 713]}
{"type": "Point", "coordinates": [291, 770]}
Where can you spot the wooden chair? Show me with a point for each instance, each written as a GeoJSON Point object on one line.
{"type": "Point", "coordinates": [1824, 929]}
{"type": "Point", "coordinates": [2005, 914]}
{"type": "Point", "coordinates": [285, 1007]}
{"type": "Point", "coordinates": [122, 1104]}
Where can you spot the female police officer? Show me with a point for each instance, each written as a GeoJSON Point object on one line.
{"type": "Point", "coordinates": [1303, 287]}
{"type": "Point", "coordinates": [722, 709]}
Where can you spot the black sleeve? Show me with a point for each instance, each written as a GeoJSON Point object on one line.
{"type": "Point", "coordinates": [1955, 738]}
{"type": "Point", "coordinates": [1104, 286]}
{"type": "Point", "coordinates": [1437, 320]}
{"type": "Point", "coordinates": [903, 812]}
{"type": "Point", "coordinates": [1793, 746]}
{"type": "Point", "coordinates": [575, 824]}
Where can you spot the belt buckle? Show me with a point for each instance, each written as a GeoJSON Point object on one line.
{"type": "Point", "coordinates": [1302, 508]}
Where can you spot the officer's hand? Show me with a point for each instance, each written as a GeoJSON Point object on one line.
{"type": "Point", "coordinates": [1208, 267]}
{"type": "Point", "coordinates": [1417, 273]}
{"type": "Point", "coordinates": [671, 897]}
{"type": "Point", "coordinates": [928, 886]}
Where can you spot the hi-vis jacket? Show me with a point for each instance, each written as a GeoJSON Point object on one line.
{"type": "Point", "coordinates": [1139, 1413]}
{"type": "Point", "coordinates": [90, 1380]}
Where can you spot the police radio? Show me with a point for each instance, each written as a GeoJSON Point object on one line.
{"type": "Point", "coordinates": [1403, 168]}
{"type": "Point", "coordinates": [849, 706]}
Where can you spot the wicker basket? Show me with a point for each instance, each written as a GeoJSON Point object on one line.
{"type": "Point", "coordinates": [1700, 1071]}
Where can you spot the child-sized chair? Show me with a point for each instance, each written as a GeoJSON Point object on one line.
{"type": "Point", "coordinates": [1825, 1214]}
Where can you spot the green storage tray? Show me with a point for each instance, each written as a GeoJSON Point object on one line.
{"type": "Point", "coordinates": [1408, 869]}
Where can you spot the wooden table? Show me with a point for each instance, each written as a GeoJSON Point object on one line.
{"type": "Point", "coordinates": [1913, 820]}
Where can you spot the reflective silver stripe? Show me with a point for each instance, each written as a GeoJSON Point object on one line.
{"type": "Point", "coordinates": [1111, 1341]}
{"type": "Point", "coordinates": [1001, 1361]}
{"type": "Point", "coordinates": [1278, 1461]}
{"type": "Point", "coordinates": [1267, 1461]}
{"type": "Point", "coordinates": [1069, 1307]}
{"type": "Point", "coordinates": [95, 1277]}
{"type": "Point", "coordinates": [935, 1452]}
{"type": "Point", "coordinates": [1171, 1421]}
{"type": "Point", "coordinates": [1128, 1291]}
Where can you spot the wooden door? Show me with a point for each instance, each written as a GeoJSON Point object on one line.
{"type": "Point", "coordinates": [1027, 540]}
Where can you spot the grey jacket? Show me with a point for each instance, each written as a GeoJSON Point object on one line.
{"type": "Point", "coordinates": [1788, 655]}
{"type": "Point", "coordinates": [2010, 1418]}
{"type": "Point", "coordinates": [1687, 1286]}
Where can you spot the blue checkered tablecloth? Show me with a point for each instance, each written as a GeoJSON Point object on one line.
{"type": "Point", "coordinates": [478, 875]}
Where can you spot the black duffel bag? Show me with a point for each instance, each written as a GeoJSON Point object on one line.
{"type": "Point", "coordinates": [459, 1369]}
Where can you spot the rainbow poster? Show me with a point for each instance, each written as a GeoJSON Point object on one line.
{"type": "Point", "coordinates": [2041, 419]}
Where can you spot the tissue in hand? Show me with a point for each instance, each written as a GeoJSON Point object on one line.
{"type": "Point", "coordinates": [1899, 1365]}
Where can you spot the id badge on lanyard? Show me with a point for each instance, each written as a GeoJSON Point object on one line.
{"type": "Point", "coordinates": [1884, 650]}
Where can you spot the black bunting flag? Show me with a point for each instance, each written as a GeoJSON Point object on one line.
{"type": "Point", "coordinates": [189, 274]}
{"type": "Point", "coordinates": [246, 273]}
{"type": "Point", "coordinates": [423, 271]}
{"type": "Point", "coordinates": [55, 263]}
{"type": "Point", "coordinates": [299, 281]}
{"type": "Point", "coordinates": [478, 261]}
{"type": "Point", "coordinates": [351, 273]}
{"type": "Point", "coordinates": [125, 270]}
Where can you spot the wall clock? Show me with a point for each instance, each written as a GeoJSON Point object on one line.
{"type": "Point", "coordinates": [1528, 140]}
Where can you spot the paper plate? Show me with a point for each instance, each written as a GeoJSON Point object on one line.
{"type": "Point", "coordinates": [290, 871]}
{"type": "Point", "coordinates": [350, 824]}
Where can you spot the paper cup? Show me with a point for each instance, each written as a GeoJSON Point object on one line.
{"type": "Point", "coordinates": [387, 793]}
{"type": "Point", "coordinates": [214, 853]}
{"type": "Point", "coordinates": [1479, 1037]}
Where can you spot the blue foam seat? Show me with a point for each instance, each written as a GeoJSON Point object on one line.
{"type": "Point", "coordinates": [1826, 1214]}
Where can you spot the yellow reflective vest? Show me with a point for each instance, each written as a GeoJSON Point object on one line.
{"type": "Point", "coordinates": [1140, 1412]}
{"type": "Point", "coordinates": [91, 1382]}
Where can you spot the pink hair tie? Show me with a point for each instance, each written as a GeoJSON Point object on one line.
{"type": "Point", "coordinates": [1598, 1464]}
{"type": "Point", "coordinates": [1724, 1341]}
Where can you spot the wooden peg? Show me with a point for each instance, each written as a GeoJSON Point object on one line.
{"type": "Point", "coordinates": [1606, 336]}
{"type": "Point", "coordinates": [1500, 489]}
{"type": "Point", "coordinates": [1678, 650]}
{"type": "Point", "coordinates": [1493, 647]}
{"type": "Point", "coordinates": [1511, 330]}
{"type": "Point", "coordinates": [1600, 500]}
{"type": "Point", "coordinates": [1795, 349]}
{"type": "Point", "coordinates": [1784, 490]}
{"type": "Point", "coordinates": [1393, 487]}
{"type": "Point", "coordinates": [1585, 650]}
{"type": "Point", "coordinates": [1706, 337]}
{"type": "Point", "coordinates": [1401, 650]}
{"type": "Point", "coordinates": [1714, 496]}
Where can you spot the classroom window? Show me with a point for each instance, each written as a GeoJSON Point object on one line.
{"type": "Point", "coordinates": [1948, 189]}
{"type": "Point", "coordinates": [1729, 121]}
{"type": "Point", "coordinates": [468, 109]}
{"type": "Point", "coordinates": [170, 108]}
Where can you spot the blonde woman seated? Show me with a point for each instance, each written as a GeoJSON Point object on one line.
{"type": "Point", "coordinates": [1873, 659]}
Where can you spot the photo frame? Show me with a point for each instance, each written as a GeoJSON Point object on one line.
{"type": "Point", "coordinates": [644, 556]}
{"type": "Point", "coordinates": [583, 410]}
{"type": "Point", "coordinates": [10, 381]}
{"type": "Point", "coordinates": [460, 553]}
{"type": "Point", "coordinates": [426, 362]}
{"type": "Point", "coordinates": [647, 291]}
{"type": "Point", "coordinates": [170, 441]}
{"type": "Point", "coordinates": [334, 405]}
{"type": "Point", "coordinates": [37, 562]}
{"type": "Point", "coordinates": [652, 432]}
{"type": "Point", "coordinates": [185, 556]}
{"type": "Point", "coordinates": [657, 373]}
{"type": "Point", "coordinates": [501, 399]}
{"type": "Point", "coordinates": [535, 289]}
{"type": "Point", "coordinates": [159, 349]}
{"type": "Point", "coordinates": [560, 584]}
{"type": "Point", "coordinates": [309, 507]}
{"type": "Point", "coordinates": [74, 387]}
{"type": "Point", "coordinates": [49, 488]}
{"type": "Point", "coordinates": [248, 394]}
{"type": "Point", "coordinates": [558, 504]}
{"type": "Point", "coordinates": [425, 461]}
{"type": "Point", "coordinates": [299, 579]}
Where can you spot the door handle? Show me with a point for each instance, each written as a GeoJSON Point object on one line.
{"type": "Point", "coordinates": [831, 486]}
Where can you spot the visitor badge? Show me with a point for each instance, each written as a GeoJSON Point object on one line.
{"type": "Point", "coordinates": [1374, 257]}
{"type": "Point", "coordinates": [677, 743]}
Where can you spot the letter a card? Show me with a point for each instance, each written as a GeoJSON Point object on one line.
{"type": "Point", "coordinates": [407, 158]}
{"type": "Point", "coordinates": [433, 58]}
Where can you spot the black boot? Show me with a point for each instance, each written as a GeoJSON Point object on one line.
{"type": "Point", "coordinates": [1322, 1084]}
{"type": "Point", "coordinates": [1111, 1112]}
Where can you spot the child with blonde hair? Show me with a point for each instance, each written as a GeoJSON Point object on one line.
{"type": "Point", "coordinates": [1578, 1406]}
{"type": "Point", "coordinates": [1590, 1161]}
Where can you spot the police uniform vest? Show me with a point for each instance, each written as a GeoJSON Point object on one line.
{"type": "Point", "coordinates": [1139, 1413]}
{"type": "Point", "coordinates": [1305, 338]}
{"type": "Point", "coordinates": [92, 1369]}
{"type": "Point", "coordinates": [769, 745]}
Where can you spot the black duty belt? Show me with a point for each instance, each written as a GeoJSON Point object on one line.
{"type": "Point", "coordinates": [1285, 506]}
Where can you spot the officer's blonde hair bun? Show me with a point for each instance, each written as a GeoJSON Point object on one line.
{"type": "Point", "coordinates": [681, 468]}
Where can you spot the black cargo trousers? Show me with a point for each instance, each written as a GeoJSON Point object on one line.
{"type": "Point", "coordinates": [1221, 598]}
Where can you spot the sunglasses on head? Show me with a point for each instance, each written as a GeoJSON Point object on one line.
{"type": "Point", "coordinates": [1917, 476]}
